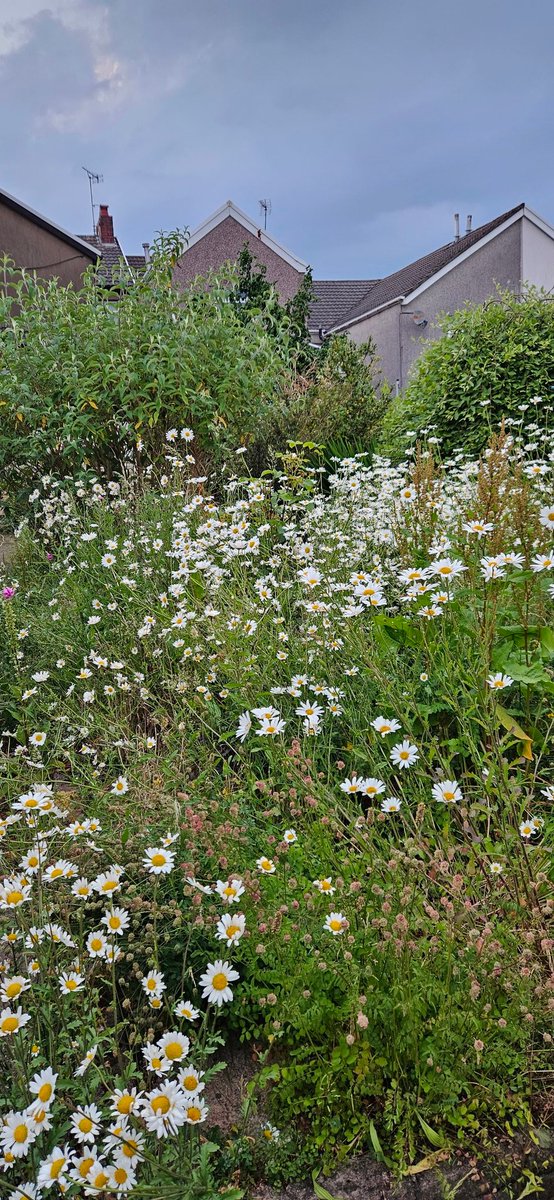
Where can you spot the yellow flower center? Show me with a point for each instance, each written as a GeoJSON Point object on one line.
{"type": "Point", "coordinates": [158, 860]}
{"type": "Point", "coordinates": [129, 1146]}
{"type": "Point", "coordinates": [335, 924]}
{"type": "Point", "coordinates": [56, 1167]}
{"type": "Point", "coordinates": [160, 1104]}
{"type": "Point", "coordinates": [120, 1175]}
{"type": "Point", "coordinates": [56, 872]}
{"type": "Point", "coordinates": [85, 1124]}
{"type": "Point", "coordinates": [449, 795]}
{"type": "Point", "coordinates": [13, 990]}
{"type": "Point", "coordinates": [20, 1134]}
{"type": "Point", "coordinates": [266, 865]}
{"type": "Point", "coordinates": [156, 1064]}
{"type": "Point", "coordinates": [10, 1024]}
{"type": "Point", "coordinates": [96, 943]}
{"type": "Point", "coordinates": [229, 891]}
{"type": "Point", "coordinates": [71, 984]}
{"type": "Point", "coordinates": [39, 1117]}
{"type": "Point", "coordinates": [32, 861]}
{"type": "Point", "coordinates": [85, 1166]}
{"type": "Point", "coordinates": [124, 1104]}
{"type": "Point", "coordinates": [219, 981]}
{"type": "Point", "coordinates": [232, 929]}
{"type": "Point", "coordinates": [100, 1180]}
{"type": "Point", "coordinates": [173, 1050]}
{"type": "Point", "coordinates": [45, 1092]}
{"type": "Point", "coordinates": [114, 922]}
{"type": "Point", "coordinates": [190, 1082]}
{"type": "Point", "coordinates": [151, 985]}
{"type": "Point", "coordinates": [194, 1113]}
{"type": "Point", "coordinates": [14, 897]}
{"type": "Point", "coordinates": [404, 754]}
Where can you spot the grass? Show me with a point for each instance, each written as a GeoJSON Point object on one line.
{"type": "Point", "coordinates": [293, 685]}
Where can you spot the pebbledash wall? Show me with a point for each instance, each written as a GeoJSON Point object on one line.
{"type": "Point", "coordinates": [520, 254]}
{"type": "Point", "coordinates": [223, 244]}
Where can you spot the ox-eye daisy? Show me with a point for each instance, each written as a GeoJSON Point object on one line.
{"type": "Point", "coordinates": [159, 861]}
{"type": "Point", "coordinates": [231, 928]}
{"type": "Point", "coordinates": [335, 923]}
{"type": "Point", "coordinates": [404, 754]}
{"type": "Point", "coordinates": [216, 980]}
{"type": "Point", "coordinates": [447, 792]}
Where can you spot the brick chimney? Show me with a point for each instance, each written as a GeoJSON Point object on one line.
{"type": "Point", "coordinates": [104, 228]}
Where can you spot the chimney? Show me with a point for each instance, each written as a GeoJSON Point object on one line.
{"type": "Point", "coordinates": [146, 248]}
{"type": "Point", "coordinates": [468, 223]}
{"type": "Point", "coordinates": [104, 228]}
{"type": "Point", "coordinates": [456, 226]}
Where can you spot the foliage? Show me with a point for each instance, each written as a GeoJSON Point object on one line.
{"type": "Point", "coordinates": [492, 362]}
{"type": "Point", "coordinates": [255, 298]}
{"type": "Point", "coordinates": [336, 405]}
{"type": "Point", "coordinates": [95, 378]}
{"type": "Point", "coordinates": [254, 670]}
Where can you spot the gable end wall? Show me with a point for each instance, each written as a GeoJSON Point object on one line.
{"type": "Point", "coordinates": [473, 280]}
{"type": "Point", "coordinates": [224, 244]}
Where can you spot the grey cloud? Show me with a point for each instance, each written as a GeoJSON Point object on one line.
{"type": "Point", "coordinates": [366, 123]}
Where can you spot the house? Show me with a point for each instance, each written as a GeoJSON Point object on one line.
{"type": "Point", "coordinates": [36, 244]}
{"type": "Point", "coordinates": [400, 311]}
{"type": "Point", "coordinates": [115, 268]}
{"type": "Point", "coordinates": [221, 238]}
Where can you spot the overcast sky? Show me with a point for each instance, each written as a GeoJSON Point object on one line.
{"type": "Point", "coordinates": [366, 122]}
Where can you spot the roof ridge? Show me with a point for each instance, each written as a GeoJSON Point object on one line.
{"type": "Point", "coordinates": [448, 252]}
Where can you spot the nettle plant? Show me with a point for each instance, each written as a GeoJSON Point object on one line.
{"type": "Point", "coordinates": [345, 695]}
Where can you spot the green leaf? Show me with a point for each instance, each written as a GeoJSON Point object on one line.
{"type": "Point", "coordinates": [436, 1139]}
{"type": "Point", "coordinates": [320, 1192]}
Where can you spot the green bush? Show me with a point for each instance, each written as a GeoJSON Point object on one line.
{"type": "Point", "coordinates": [336, 404]}
{"type": "Point", "coordinates": [493, 361]}
{"type": "Point", "coordinates": [96, 377]}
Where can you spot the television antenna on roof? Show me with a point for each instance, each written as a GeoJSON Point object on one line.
{"type": "Point", "coordinates": [265, 207]}
{"type": "Point", "coordinates": [92, 178]}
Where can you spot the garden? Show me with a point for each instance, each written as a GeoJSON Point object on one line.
{"type": "Point", "coordinates": [276, 755]}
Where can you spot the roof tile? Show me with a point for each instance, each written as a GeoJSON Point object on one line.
{"type": "Point", "coordinates": [402, 282]}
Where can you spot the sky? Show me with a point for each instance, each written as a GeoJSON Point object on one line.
{"type": "Point", "coordinates": [367, 123]}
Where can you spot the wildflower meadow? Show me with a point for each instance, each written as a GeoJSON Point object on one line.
{"type": "Point", "coordinates": [276, 763]}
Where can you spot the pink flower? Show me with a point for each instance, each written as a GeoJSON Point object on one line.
{"type": "Point", "coordinates": [7, 593]}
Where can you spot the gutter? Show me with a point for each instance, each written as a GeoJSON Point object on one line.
{"type": "Point", "coordinates": [370, 313]}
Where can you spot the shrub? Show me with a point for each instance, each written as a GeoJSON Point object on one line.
{"type": "Point", "coordinates": [492, 362]}
{"type": "Point", "coordinates": [95, 378]}
{"type": "Point", "coordinates": [336, 404]}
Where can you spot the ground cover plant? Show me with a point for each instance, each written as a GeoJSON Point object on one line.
{"type": "Point", "coordinates": [277, 767]}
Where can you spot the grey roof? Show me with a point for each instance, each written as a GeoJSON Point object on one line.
{"type": "Point", "coordinates": [114, 263]}
{"type": "Point", "coordinates": [46, 223]}
{"type": "Point", "coordinates": [334, 298]}
{"type": "Point", "coordinates": [402, 282]}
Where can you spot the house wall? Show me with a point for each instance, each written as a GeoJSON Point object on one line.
{"type": "Point", "coordinates": [224, 244]}
{"type": "Point", "coordinates": [537, 256]}
{"type": "Point", "coordinates": [472, 280]}
{"type": "Point", "coordinates": [383, 328]}
{"type": "Point", "coordinates": [37, 249]}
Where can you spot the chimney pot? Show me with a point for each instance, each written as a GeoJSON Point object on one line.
{"type": "Point", "coordinates": [104, 228]}
{"type": "Point", "coordinates": [456, 227]}
{"type": "Point", "coordinates": [146, 248]}
{"type": "Point", "coordinates": [468, 222]}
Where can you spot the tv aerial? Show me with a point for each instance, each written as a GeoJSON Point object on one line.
{"type": "Point", "coordinates": [265, 208]}
{"type": "Point", "coordinates": [93, 178]}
